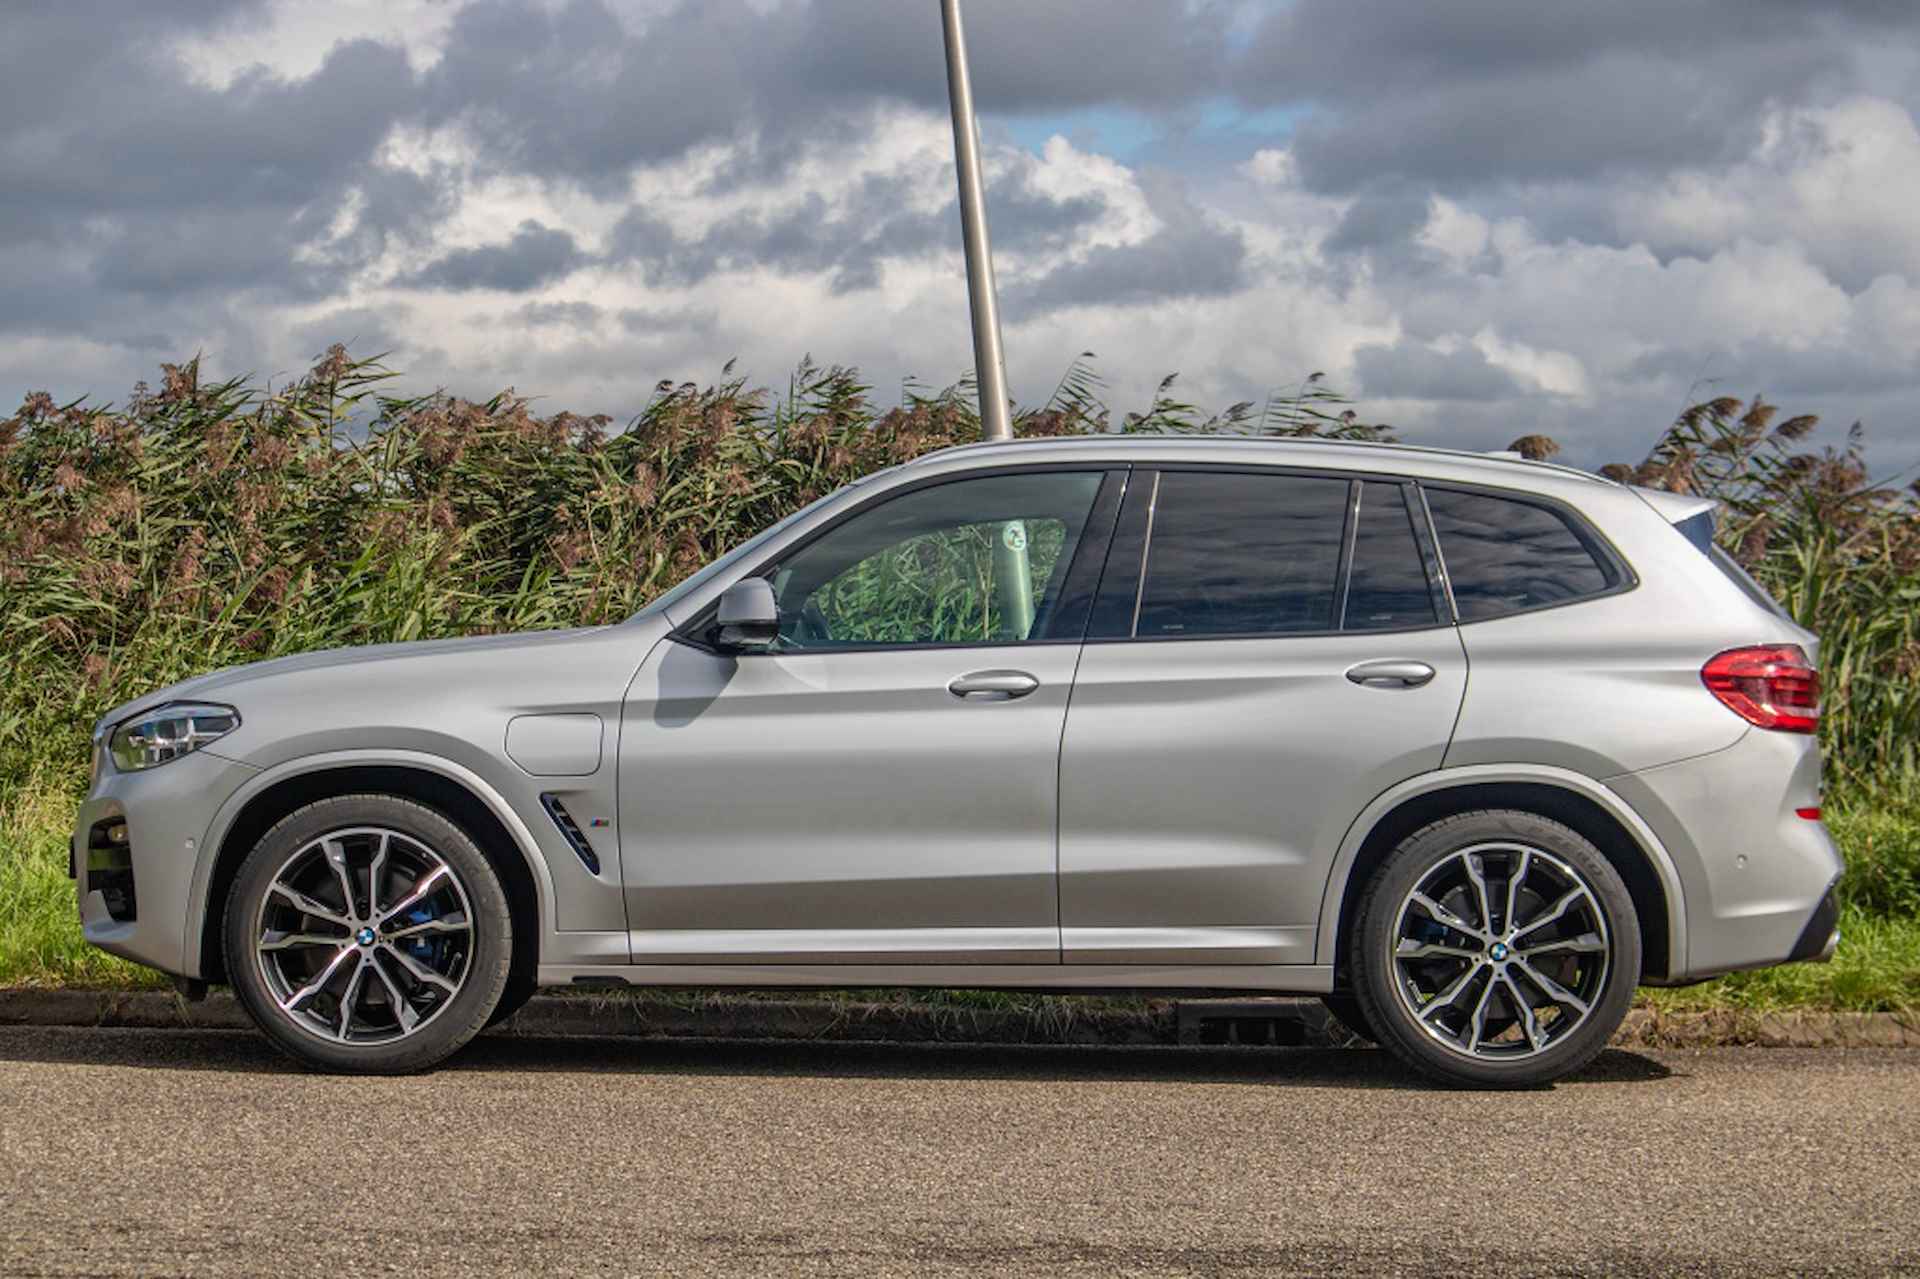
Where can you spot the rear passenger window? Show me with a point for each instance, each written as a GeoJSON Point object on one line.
{"type": "Point", "coordinates": [1234, 554]}
{"type": "Point", "coordinates": [1389, 587]}
{"type": "Point", "coordinates": [1504, 556]}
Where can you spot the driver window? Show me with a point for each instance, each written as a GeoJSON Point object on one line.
{"type": "Point", "coordinates": [977, 561]}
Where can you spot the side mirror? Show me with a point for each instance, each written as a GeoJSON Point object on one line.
{"type": "Point", "coordinates": [749, 619]}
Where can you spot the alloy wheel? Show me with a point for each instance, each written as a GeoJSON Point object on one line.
{"type": "Point", "coordinates": [363, 936]}
{"type": "Point", "coordinates": [1500, 952]}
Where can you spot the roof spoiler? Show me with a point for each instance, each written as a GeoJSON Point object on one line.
{"type": "Point", "coordinates": [1675, 508]}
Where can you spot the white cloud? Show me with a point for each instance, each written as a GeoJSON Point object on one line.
{"type": "Point", "coordinates": [291, 37]}
{"type": "Point", "coordinates": [1455, 234]}
{"type": "Point", "coordinates": [1792, 269]}
{"type": "Point", "coordinates": [1065, 172]}
{"type": "Point", "coordinates": [1841, 181]}
{"type": "Point", "coordinates": [1554, 372]}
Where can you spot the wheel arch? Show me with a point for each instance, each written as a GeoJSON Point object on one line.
{"type": "Point", "coordinates": [1573, 799]}
{"type": "Point", "coordinates": [457, 792]}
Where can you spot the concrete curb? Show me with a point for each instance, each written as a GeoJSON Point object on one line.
{"type": "Point", "coordinates": [1798, 1028]}
{"type": "Point", "coordinates": [649, 1015]}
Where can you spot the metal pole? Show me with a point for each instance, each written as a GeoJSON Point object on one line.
{"type": "Point", "coordinates": [989, 364]}
{"type": "Point", "coordinates": [1012, 573]}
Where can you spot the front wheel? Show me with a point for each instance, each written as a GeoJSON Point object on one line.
{"type": "Point", "coordinates": [368, 933]}
{"type": "Point", "coordinates": [1495, 949]}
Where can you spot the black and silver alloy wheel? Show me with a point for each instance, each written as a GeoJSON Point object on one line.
{"type": "Point", "coordinates": [368, 933]}
{"type": "Point", "coordinates": [364, 935]}
{"type": "Point", "coordinates": [1500, 951]}
{"type": "Point", "coordinates": [1496, 948]}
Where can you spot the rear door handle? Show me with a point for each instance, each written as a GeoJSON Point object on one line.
{"type": "Point", "coordinates": [1391, 674]}
{"type": "Point", "coordinates": [993, 686]}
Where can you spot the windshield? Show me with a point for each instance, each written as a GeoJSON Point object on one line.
{"type": "Point", "coordinates": [743, 551]}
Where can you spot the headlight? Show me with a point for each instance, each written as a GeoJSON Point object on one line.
{"type": "Point", "coordinates": [168, 732]}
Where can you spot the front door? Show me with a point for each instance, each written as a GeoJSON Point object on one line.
{"type": "Point", "coordinates": [1270, 652]}
{"type": "Point", "coordinates": [882, 787]}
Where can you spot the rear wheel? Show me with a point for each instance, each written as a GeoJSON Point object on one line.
{"type": "Point", "coordinates": [368, 933]}
{"type": "Point", "coordinates": [1495, 949]}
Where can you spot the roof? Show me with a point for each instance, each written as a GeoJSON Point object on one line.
{"type": "Point", "coordinates": [1297, 450]}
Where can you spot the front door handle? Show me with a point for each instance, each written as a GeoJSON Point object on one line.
{"type": "Point", "coordinates": [1391, 674]}
{"type": "Point", "coordinates": [993, 686]}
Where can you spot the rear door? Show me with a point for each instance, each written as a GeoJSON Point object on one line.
{"type": "Point", "coordinates": [1269, 651]}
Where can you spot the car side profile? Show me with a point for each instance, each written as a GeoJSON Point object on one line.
{"type": "Point", "coordinates": [1468, 746]}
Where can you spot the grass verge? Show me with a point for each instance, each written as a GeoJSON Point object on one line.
{"type": "Point", "coordinates": [40, 942]}
{"type": "Point", "coordinates": [1877, 969]}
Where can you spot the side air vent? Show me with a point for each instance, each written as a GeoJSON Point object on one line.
{"type": "Point", "coordinates": [571, 830]}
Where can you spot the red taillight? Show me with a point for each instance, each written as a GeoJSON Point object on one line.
{"type": "Point", "coordinates": [1811, 814]}
{"type": "Point", "coordinates": [1774, 687]}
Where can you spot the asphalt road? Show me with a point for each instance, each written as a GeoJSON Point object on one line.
{"type": "Point", "coordinates": [152, 1152]}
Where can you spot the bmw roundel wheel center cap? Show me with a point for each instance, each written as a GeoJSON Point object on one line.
{"type": "Point", "coordinates": [1497, 952]}
{"type": "Point", "coordinates": [366, 937]}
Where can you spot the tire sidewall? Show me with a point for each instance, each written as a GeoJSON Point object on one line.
{"type": "Point", "coordinates": [488, 967]}
{"type": "Point", "coordinates": [1344, 1006]}
{"type": "Point", "coordinates": [1374, 973]}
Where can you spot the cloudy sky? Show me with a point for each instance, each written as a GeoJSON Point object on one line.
{"type": "Point", "coordinates": [1483, 218]}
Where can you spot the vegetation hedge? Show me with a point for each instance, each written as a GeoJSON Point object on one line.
{"type": "Point", "coordinates": [205, 524]}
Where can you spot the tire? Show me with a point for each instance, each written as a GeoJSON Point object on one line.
{"type": "Point", "coordinates": [521, 987]}
{"type": "Point", "coordinates": [368, 983]}
{"type": "Point", "coordinates": [1346, 1010]}
{"type": "Point", "coordinates": [1456, 990]}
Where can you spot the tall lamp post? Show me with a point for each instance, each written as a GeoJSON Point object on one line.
{"type": "Point", "coordinates": [990, 365]}
{"type": "Point", "coordinates": [1012, 576]}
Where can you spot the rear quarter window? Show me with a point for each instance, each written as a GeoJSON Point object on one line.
{"type": "Point", "coordinates": [1507, 555]}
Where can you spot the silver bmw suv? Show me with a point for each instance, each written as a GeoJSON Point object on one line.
{"type": "Point", "coordinates": [1467, 746]}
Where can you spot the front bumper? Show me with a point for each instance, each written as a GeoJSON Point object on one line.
{"type": "Point", "coordinates": [167, 811]}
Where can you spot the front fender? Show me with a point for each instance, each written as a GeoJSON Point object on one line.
{"type": "Point", "coordinates": [229, 812]}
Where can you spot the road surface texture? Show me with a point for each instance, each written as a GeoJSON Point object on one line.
{"type": "Point", "coordinates": [201, 1152]}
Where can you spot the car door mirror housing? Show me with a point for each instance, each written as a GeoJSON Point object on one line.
{"type": "Point", "coordinates": [748, 619]}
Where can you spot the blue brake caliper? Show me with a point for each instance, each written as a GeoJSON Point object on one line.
{"type": "Point", "coordinates": [424, 947]}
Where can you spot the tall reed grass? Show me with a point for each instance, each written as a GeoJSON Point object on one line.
{"type": "Point", "coordinates": [1840, 552]}
{"type": "Point", "coordinates": [205, 524]}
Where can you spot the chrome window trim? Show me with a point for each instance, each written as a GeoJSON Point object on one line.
{"type": "Point", "coordinates": [1146, 556]}
{"type": "Point", "coordinates": [1343, 575]}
